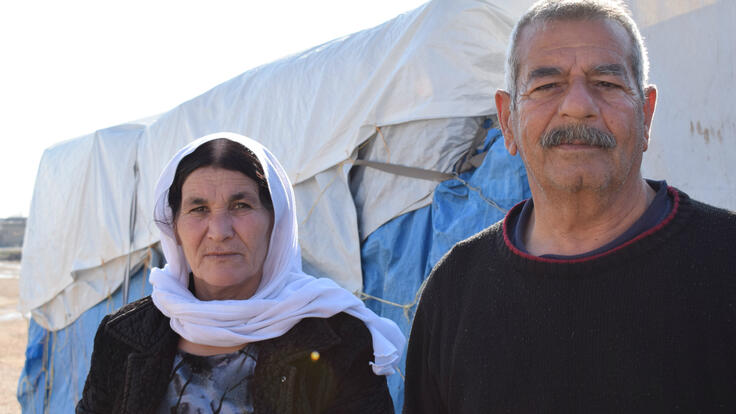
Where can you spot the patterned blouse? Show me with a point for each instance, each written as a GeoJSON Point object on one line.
{"type": "Point", "coordinates": [217, 384]}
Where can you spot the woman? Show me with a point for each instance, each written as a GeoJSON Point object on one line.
{"type": "Point", "coordinates": [233, 324]}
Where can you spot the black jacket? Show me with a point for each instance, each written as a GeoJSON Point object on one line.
{"type": "Point", "coordinates": [135, 347]}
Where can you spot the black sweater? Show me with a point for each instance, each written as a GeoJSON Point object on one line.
{"type": "Point", "coordinates": [647, 327]}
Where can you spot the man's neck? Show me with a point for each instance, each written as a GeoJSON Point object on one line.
{"type": "Point", "coordinates": [571, 224]}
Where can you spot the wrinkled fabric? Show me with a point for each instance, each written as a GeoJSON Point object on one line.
{"type": "Point", "coordinates": [286, 294]}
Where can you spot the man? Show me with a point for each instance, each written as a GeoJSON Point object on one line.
{"type": "Point", "coordinates": [602, 293]}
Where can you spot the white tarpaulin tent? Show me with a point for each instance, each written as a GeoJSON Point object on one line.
{"type": "Point", "coordinates": [439, 63]}
{"type": "Point", "coordinates": [411, 92]}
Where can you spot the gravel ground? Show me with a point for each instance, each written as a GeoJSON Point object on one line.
{"type": "Point", "coordinates": [13, 338]}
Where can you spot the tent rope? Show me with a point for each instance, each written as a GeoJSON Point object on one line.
{"type": "Point", "coordinates": [385, 144]}
{"type": "Point", "coordinates": [405, 307]}
{"type": "Point", "coordinates": [480, 194]}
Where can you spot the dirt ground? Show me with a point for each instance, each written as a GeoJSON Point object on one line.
{"type": "Point", "coordinates": [13, 337]}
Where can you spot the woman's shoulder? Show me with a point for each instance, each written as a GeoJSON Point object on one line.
{"type": "Point", "coordinates": [140, 324]}
{"type": "Point", "coordinates": [340, 334]}
{"type": "Point", "coordinates": [142, 309]}
{"type": "Point", "coordinates": [350, 329]}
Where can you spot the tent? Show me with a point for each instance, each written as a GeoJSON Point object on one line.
{"type": "Point", "coordinates": [388, 172]}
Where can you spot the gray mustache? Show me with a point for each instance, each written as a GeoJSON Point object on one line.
{"type": "Point", "coordinates": [578, 134]}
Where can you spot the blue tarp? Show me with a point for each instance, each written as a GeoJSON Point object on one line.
{"type": "Point", "coordinates": [396, 259]}
{"type": "Point", "coordinates": [398, 256]}
{"type": "Point", "coordinates": [57, 363]}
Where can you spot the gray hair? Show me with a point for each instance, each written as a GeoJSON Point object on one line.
{"type": "Point", "coordinates": [545, 11]}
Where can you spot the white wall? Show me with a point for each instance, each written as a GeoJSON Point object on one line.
{"type": "Point", "coordinates": [692, 49]}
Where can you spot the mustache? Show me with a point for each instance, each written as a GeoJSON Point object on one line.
{"type": "Point", "coordinates": [578, 134]}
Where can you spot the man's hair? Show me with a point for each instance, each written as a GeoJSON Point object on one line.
{"type": "Point", "coordinates": [545, 11]}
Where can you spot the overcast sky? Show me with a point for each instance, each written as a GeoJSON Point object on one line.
{"type": "Point", "coordinates": [72, 67]}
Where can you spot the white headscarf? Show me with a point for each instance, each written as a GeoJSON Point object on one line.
{"type": "Point", "coordinates": [285, 295]}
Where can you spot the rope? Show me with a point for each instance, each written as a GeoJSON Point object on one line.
{"type": "Point", "coordinates": [405, 307]}
{"type": "Point", "coordinates": [480, 194]}
{"type": "Point", "coordinates": [385, 144]}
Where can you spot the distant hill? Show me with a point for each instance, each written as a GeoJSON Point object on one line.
{"type": "Point", "coordinates": [11, 231]}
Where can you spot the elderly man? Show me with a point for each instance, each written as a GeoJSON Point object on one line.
{"type": "Point", "coordinates": [604, 292]}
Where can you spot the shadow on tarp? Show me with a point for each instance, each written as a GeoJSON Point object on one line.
{"type": "Point", "coordinates": [57, 362]}
{"type": "Point", "coordinates": [398, 256]}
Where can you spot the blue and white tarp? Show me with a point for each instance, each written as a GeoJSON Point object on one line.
{"type": "Point", "coordinates": [57, 362]}
{"type": "Point", "coordinates": [398, 256]}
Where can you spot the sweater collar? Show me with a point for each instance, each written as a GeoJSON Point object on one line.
{"type": "Point", "coordinates": [675, 220]}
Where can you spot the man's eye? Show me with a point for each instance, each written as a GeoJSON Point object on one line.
{"type": "Point", "coordinates": [546, 86]}
{"type": "Point", "coordinates": [199, 209]}
{"type": "Point", "coordinates": [604, 84]}
{"type": "Point", "coordinates": [241, 206]}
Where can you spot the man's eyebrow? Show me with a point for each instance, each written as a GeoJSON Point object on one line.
{"type": "Point", "coordinates": [612, 69]}
{"type": "Point", "coordinates": [542, 72]}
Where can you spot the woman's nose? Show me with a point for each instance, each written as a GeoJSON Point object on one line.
{"type": "Point", "coordinates": [220, 226]}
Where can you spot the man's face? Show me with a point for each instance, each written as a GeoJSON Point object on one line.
{"type": "Point", "coordinates": [577, 73]}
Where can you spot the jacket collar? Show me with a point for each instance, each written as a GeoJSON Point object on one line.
{"type": "Point", "coordinates": [142, 326]}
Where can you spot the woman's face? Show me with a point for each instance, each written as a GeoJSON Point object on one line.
{"type": "Point", "coordinates": [224, 231]}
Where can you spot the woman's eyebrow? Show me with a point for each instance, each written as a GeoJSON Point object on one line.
{"type": "Point", "coordinates": [197, 201]}
{"type": "Point", "coordinates": [243, 195]}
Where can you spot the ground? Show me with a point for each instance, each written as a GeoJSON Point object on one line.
{"type": "Point", "coordinates": [13, 337]}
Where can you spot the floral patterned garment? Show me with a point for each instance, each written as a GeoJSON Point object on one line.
{"type": "Point", "coordinates": [217, 384]}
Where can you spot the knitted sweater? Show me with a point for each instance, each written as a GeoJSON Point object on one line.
{"type": "Point", "coordinates": [135, 348]}
{"type": "Point", "coordinates": [649, 326]}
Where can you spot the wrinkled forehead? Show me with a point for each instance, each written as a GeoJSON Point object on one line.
{"type": "Point", "coordinates": [591, 42]}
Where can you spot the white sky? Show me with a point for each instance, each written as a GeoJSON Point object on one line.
{"type": "Point", "coordinates": [72, 67]}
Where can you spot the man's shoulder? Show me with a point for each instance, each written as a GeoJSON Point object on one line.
{"type": "Point", "coordinates": [468, 257]}
{"type": "Point", "coordinates": [713, 212]}
{"type": "Point", "coordinates": [479, 242]}
{"type": "Point", "coordinates": [709, 214]}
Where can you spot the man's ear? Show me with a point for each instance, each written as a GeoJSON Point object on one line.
{"type": "Point", "coordinates": [650, 102]}
{"type": "Point", "coordinates": [503, 107]}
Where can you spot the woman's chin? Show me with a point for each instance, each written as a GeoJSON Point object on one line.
{"type": "Point", "coordinates": [225, 285]}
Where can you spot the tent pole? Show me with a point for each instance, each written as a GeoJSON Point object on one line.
{"type": "Point", "coordinates": [131, 232]}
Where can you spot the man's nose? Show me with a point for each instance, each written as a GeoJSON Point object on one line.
{"type": "Point", "coordinates": [579, 102]}
{"type": "Point", "coordinates": [220, 226]}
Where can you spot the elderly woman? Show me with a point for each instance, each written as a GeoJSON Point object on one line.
{"type": "Point", "coordinates": [233, 324]}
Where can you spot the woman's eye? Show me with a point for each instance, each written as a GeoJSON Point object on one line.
{"type": "Point", "coordinates": [241, 206]}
